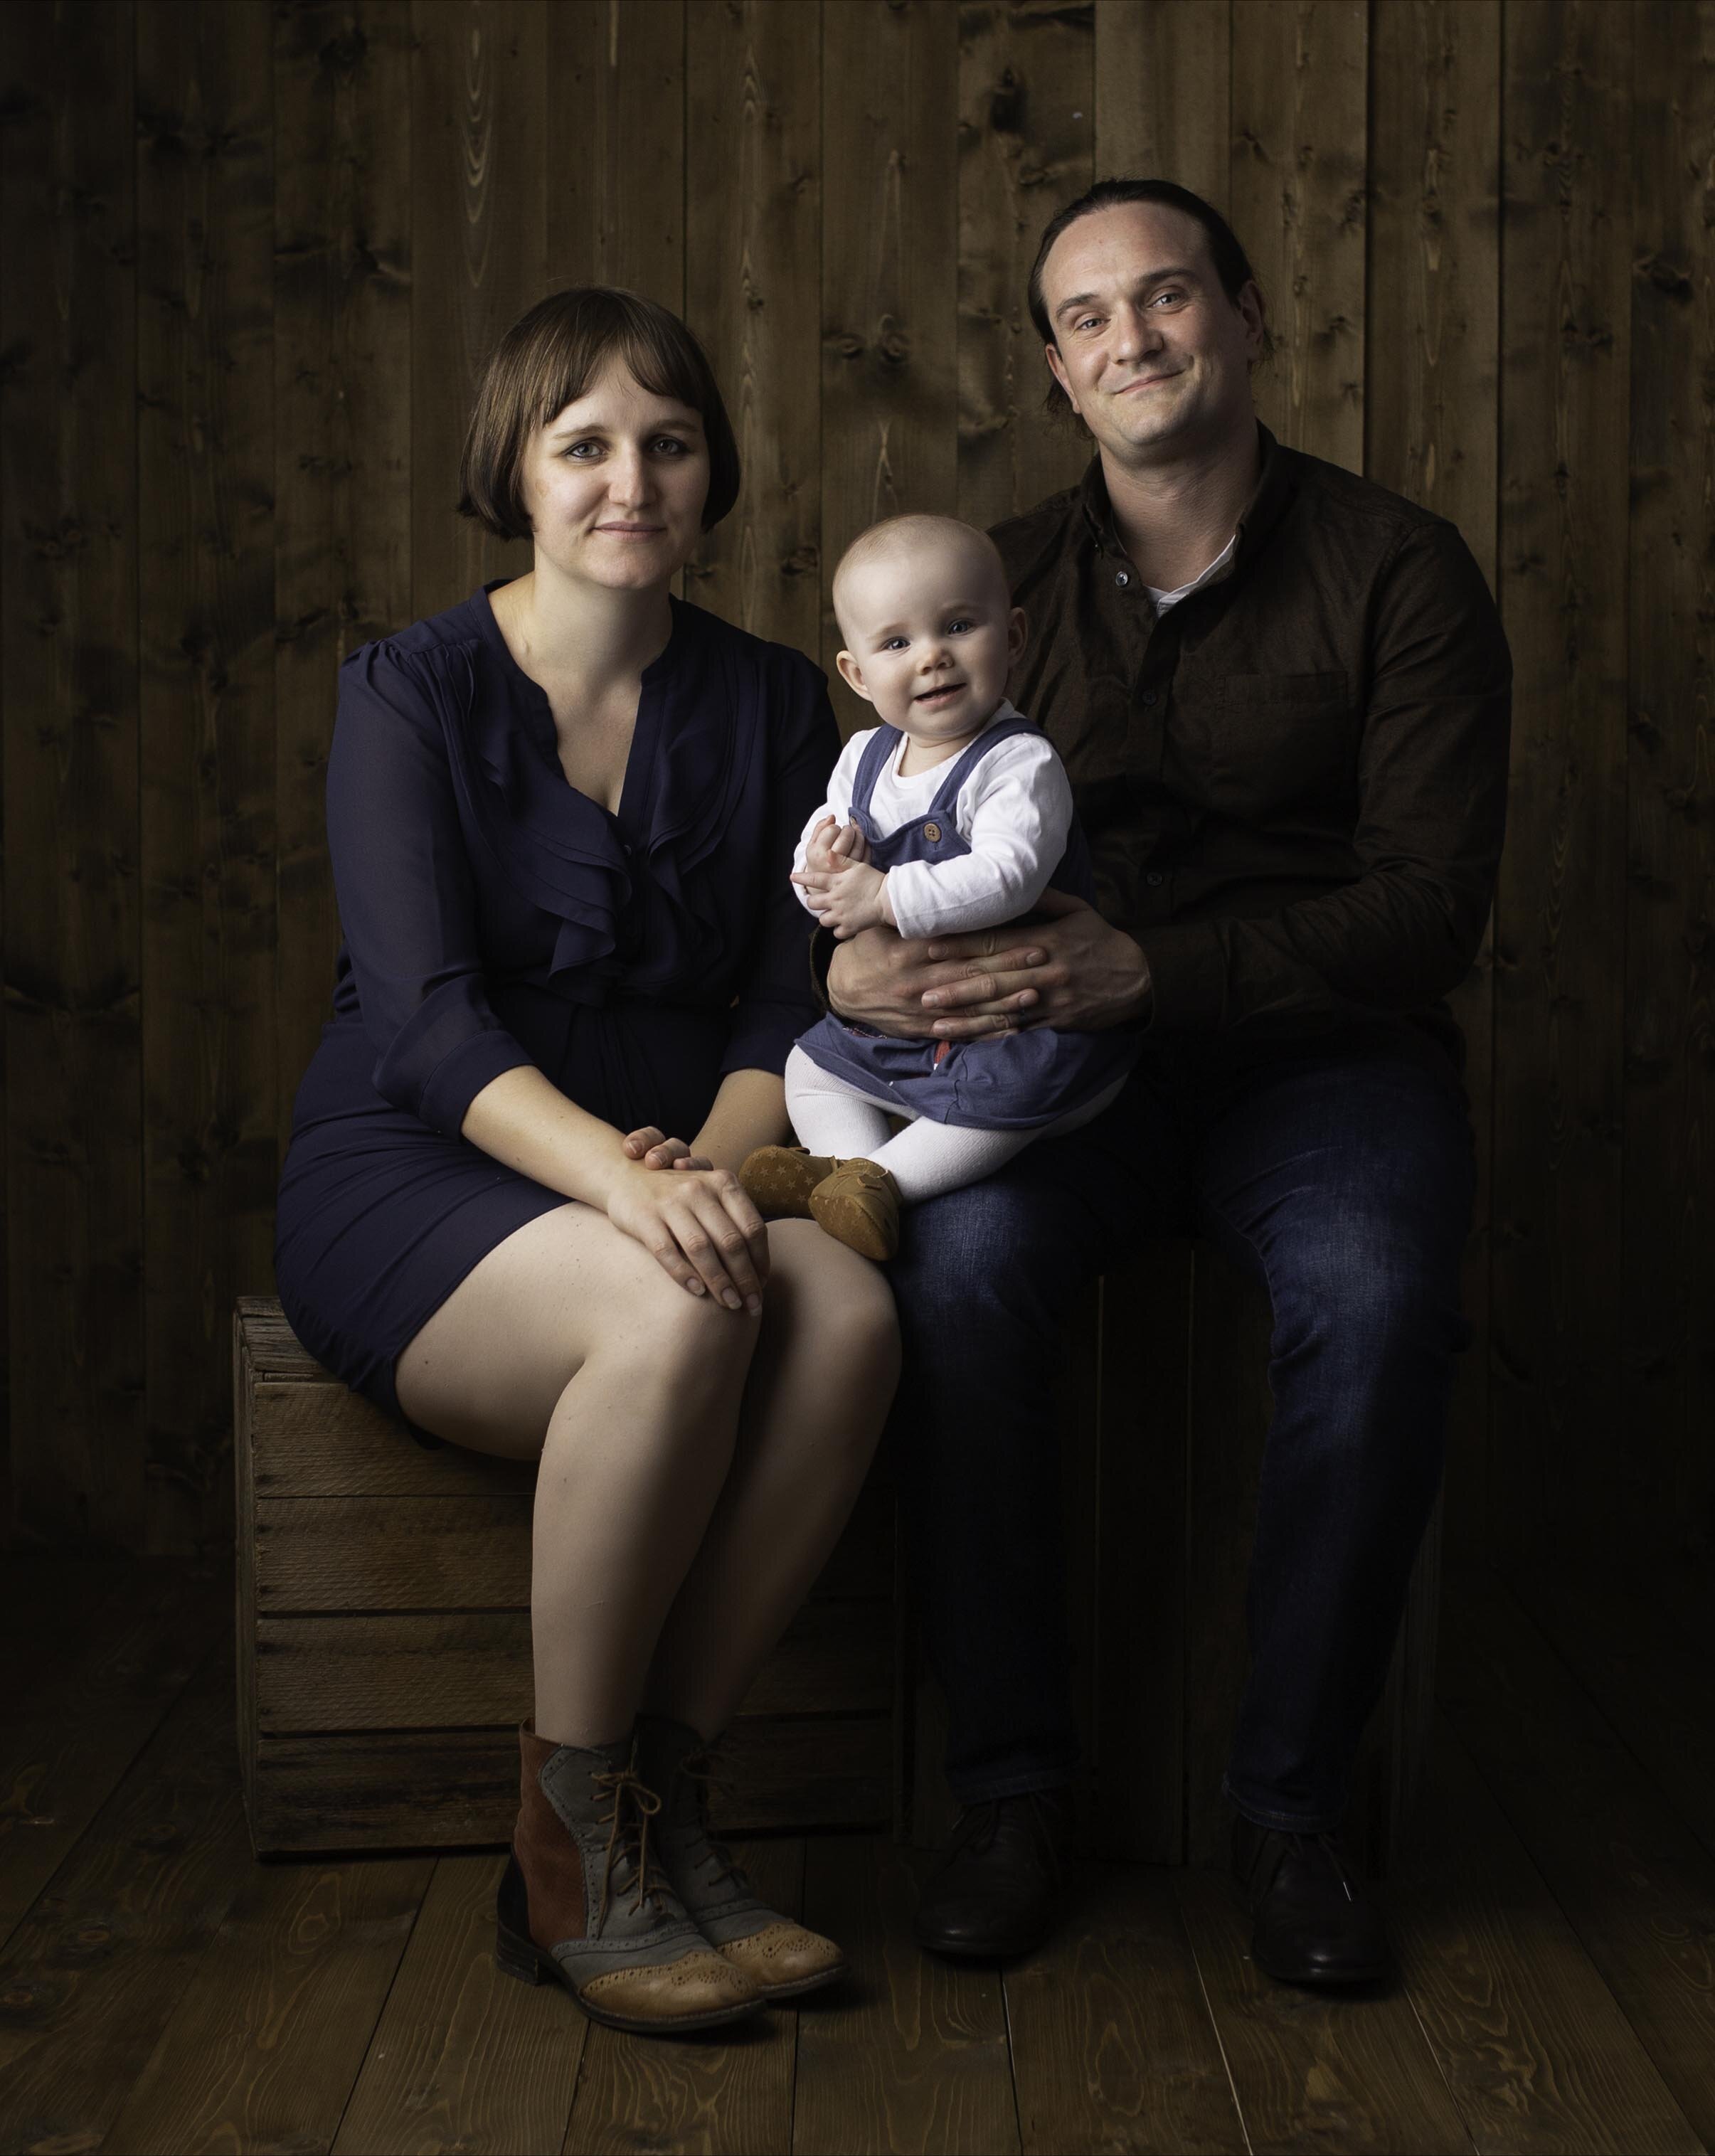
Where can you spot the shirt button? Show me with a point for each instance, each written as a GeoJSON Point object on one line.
{"type": "Point", "coordinates": [1122, 576]}
{"type": "Point", "coordinates": [1149, 696]}
{"type": "Point", "coordinates": [1154, 879]}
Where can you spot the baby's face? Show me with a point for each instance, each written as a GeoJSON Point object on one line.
{"type": "Point", "coordinates": [930, 637]}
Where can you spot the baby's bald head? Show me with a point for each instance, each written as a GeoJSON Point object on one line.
{"type": "Point", "coordinates": [909, 554]}
{"type": "Point", "coordinates": [929, 627]}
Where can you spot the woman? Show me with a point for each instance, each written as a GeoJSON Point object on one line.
{"type": "Point", "coordinates": [561, 817]}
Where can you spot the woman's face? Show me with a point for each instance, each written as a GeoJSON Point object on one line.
{"type": "Point", "coordinates": [615, 483]}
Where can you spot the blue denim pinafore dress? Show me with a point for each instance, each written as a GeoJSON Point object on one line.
{"type": "Point", "coordinates": [1004, 1081]}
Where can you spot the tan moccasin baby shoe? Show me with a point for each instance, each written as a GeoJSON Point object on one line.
{"type": "Point", "coordinates": [858, 1204]}
{"type": "Point", "coordinates": [778, 1180]}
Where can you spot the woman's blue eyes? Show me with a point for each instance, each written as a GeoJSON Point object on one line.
{"type": "Point", "coordinates": [661, 441]}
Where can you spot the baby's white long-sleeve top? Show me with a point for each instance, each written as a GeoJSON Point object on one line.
{"type": "Point", "coordinates": [1015, 809]}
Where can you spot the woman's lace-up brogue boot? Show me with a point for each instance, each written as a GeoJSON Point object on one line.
{"type": "Point", "coordinates": [781, 1958]}
{"type": "Point", "coordinates": [584, 1902]}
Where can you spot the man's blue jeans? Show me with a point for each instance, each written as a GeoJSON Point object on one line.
{"type": "Point", "coordinates": [1339, 1172]}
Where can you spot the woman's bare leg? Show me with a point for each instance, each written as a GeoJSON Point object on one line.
{"type": "Point", "coordinates": [570, 1341]}
{"type": "Point", "coordinates": [819, 1389]}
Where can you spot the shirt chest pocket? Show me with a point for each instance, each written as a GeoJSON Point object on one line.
{"type": "Point", "coordinates": [1265, 742]}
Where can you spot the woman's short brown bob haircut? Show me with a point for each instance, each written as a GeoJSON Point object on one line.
{"type": "Point", "coordinates": [550, 356]}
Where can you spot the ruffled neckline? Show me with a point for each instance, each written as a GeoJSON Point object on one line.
{"type": "Point", "coordinates": [635, 788]}
{"type": "Point", "coordinates": [567, 853]}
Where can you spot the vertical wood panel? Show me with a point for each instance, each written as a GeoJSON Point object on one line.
{"type": "Point", "coordinates": [342, 396]}
{"type": "Point", "coordinates": [890, 385]}
{"type": "Point", "coordinates": [1027, 128]}
{"type": "Point", "coordinates": [1299, 136]}
{"type": "Point", "coordinates": [1163, 89]}
{"type": "Point", "coordinates": [1560, 920]}
{"type": "Point", "coordinates": [1669, 1345]}
{"type": "Point", "coordinates": [205, 215]}
{"type": "Point", "coordinates": [754, 295]}
{"type": "Point", "coordinates": [547, 144]}
{"type": "Point", "coordinates": [1431, 423]}
{"type": "Point", "coordinates": [479, 122]}
{"type": "Point", "coordinates": [68, 315]}
{"type": "Point", "coordinates": [616, 147]}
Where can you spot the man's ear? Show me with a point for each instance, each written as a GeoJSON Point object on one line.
{"type": "Point", "coordinates": [1252, 311]}
{"type": "Point", "coordinates": [853, 676]}
{"type": "Point", "coordinates": [1056, 367]}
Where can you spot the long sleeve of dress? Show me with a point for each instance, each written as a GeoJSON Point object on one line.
{"type": "Point", "coordinates": [407, 905]}
{"type": "Point", "coordinates": [775, 1003]}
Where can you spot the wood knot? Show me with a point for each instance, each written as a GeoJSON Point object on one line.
{"type": "Point", "coordinates": [1006, 105]}
{"type": "Point", "coordinates": [1666, 277]}
{"type": "Point", "coordinates": [344, 55]}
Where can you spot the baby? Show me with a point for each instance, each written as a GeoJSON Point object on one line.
{"type": "Point", "coordinates": [954, 813]}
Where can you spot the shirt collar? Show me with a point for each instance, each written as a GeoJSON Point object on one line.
{"type": "Point", "coordinates": [1274, 489]}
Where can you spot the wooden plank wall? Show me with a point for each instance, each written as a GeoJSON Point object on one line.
{"type": "Point", "coordinates": [253, 256]}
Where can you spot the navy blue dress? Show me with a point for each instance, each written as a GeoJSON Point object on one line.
{"type": "Point", "coordinates": [495, 917]}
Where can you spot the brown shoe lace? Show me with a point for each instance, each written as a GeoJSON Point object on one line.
{"type": "Point", "coordinates": [634, 1805]}
{"type": "Point", "coordinates": [705, 1771]}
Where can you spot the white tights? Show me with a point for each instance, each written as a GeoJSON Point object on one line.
{"type": "Point", "coordinates": [926, 1157]}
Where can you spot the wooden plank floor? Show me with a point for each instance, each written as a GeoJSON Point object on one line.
{"type": "Point", "coordinates": [161, 1991]}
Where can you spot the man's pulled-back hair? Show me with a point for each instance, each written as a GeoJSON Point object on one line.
{"type": "Point", "coordinates": [1232, 265]}
{"type": "Point", "coordinates": [894, 533]}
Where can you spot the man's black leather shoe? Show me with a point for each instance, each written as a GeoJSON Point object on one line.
{"type": "Point", "coordinates": [1316, 1924]}
{"type": "Point", "coordinates": [993, 1894]}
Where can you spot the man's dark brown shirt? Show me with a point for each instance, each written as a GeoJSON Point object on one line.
{"type": "Point", "coordinates": [1294, 780]}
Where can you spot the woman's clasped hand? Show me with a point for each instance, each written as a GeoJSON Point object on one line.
{"type": "Point", "coordinates": [699, 1227]}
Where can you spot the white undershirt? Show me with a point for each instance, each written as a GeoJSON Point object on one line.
{"type": "Point", "coordinates": [1163, 600]}
{"type": "Point", "coordinates": [1015, 809]}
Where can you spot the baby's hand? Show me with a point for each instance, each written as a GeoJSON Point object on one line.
{"type": "Point", "coordinates": [847, 898]}
{"type": "Point", "coordinates": [830, 844]}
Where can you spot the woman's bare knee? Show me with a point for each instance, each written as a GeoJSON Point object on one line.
{"type": "Point", "coordinates": [492, 1364]}
{"type": "Point", "coordinates": [669, 1338]}
{"type": "Point", "coordinates": [836, 1331]}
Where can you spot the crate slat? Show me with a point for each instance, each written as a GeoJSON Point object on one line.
{"type": "Point", "coordinates": [322, 1441]}
{"type": "Point", "coordinates": [461, 1669]}
{"type": "Point", "coordinates": [465, 1551]}
{"type": "Point", "coordinates": [443, 1789]}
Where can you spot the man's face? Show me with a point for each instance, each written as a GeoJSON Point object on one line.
{"type": "Point", "coordinates": [1153, 355]}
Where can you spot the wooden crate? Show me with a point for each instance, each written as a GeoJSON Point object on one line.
{"type": "Point", "coordinates": [1165, 1410]}
{"type": "Point", "coordinates": [384, 1633]}
{"type": "Point", "coordinates": [383, 1625]}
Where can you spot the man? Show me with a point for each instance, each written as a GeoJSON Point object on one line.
{"type": "Point", "coordinates": [1283, 697]}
